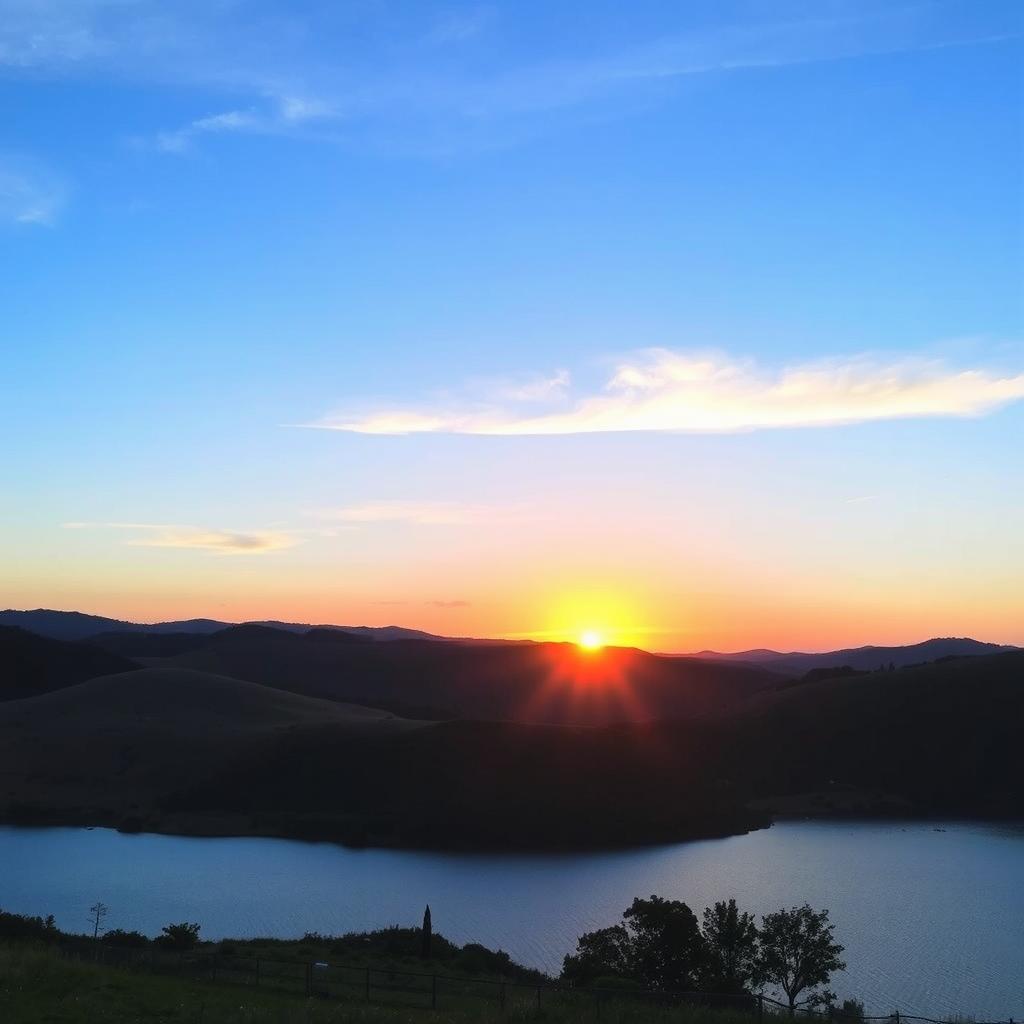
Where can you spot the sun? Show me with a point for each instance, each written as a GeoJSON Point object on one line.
{"type": "Point", "coordinates": [590, 640]}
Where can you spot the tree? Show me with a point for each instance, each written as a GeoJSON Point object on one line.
{"type": "Point", "coordinates": [798, 954]}
{"type": "Point", "coordinates": [97, 912]}
{"type": "Point", "coordinates": [659, 946]}
{"type": "Point", "coordinates": [601, 954]}
{"type": "Point", "coordinates": [730, 949]}
{"type": "Point", "coordinates": [426, 934]}
{"type": "Point", "coordinates": [666, 948]}
{"type": "Point", "coordinates": [179, 936]}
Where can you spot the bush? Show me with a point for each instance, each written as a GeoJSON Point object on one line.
{"type": "Point", "coordinates": [124, 940]}
{"type": "Point", "coordinates": [179, 936]}
{"type": "Point", "coordinates": [851, 1010]}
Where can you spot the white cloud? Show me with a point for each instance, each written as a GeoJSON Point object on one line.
{"type": "Point", "coordinates": [537, 389]}
{"type": "Point", "coordinates": [225, 542]}
{"type": "Point", "coordinates": [29, 193]}
{"type": "Point", "coordinates": [664, 390]}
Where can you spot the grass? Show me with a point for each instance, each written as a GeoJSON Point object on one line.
{"type": "Point", "coordinates": [40, 986]}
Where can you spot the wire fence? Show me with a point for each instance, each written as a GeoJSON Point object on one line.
{"type": "Point", "coordinates": [429, 990]}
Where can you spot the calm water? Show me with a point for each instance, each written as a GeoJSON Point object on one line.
{"type": "Point", "coordinates": [932, 921]}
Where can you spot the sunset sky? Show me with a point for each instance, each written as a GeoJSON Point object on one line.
{"type": "Point", "coordinates": [697, 324]}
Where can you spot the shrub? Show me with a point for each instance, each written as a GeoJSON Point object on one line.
{"type": "Point", "coordinates": [179, 936]}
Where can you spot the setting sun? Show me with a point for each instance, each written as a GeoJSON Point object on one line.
{"type": "Point", "coordinates": [591, 640]}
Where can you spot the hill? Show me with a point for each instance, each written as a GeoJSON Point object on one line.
{"type": "Point", "coordinates": [62, 625]}
{"type": "Point", "coordinates": [541, 683]}
{"type": "Point", "coordinates": [867, 658]}
{"type": "Point", "coordinates": [943, 738]}
{"type": "Point", "coordinates": [172, 750]}
{"type": "Point", "coordinates": [33, 664]}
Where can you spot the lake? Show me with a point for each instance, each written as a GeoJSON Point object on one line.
{"type": "Point", "coordinates": [932, 916]}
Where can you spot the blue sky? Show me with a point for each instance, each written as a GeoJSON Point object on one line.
{"type": "Point", "coordinates": [290, 282]}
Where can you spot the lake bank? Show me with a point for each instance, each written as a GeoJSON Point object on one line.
{"type": "Point", "coordinates": [933, 921]}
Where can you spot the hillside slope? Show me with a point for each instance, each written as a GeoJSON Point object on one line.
{"type": "Point", "coordinates": [540, 683]}
{"type": "Point", "coordinates": [31, 664]}
{"type": "Point", "coordinates": [865, 659]}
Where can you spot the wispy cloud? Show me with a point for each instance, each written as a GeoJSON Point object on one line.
{"type": "Point", "coordinates": [424, 513]}
{"type": "Point", "coordinates": [285, 115]}
{"type": "Point", "coordinates": [413, 77]}
{"type": "Point", "coordinates": [450, 604]}
{"type": "Point", "coordinates": [29, 192]}
{"type": "Point", "coordinates": [665, 390]}
{"type": "Point", "coordinates": [225, 542]}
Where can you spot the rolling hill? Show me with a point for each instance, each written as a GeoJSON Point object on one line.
{"type": "Point", "coordinates": [173, 750]}
{"type": "Point", "coordinates": [539, 683]}
{"type": "Point", "coordinates": [31, 664]}
{"type": "Point", "coordinates": [62, 625]}
{"type": "Point", "coordinates": [865, 659]}
{"type": "Point", "coordinates": [183, 751]}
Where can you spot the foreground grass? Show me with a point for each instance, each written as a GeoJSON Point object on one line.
{"type": "Point", "coordinates": [39, 986]}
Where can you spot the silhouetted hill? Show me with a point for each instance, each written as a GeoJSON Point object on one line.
{"type": "Point", "coordinates": [31, 664]}
{"type": "Point", "coordinates": [148, 645]}
{"type": "Point", "coordinates": [544, 683]}
{"type": "Point", "coordinates": [191, 752]}
{"type": "Point", "coordinates": [186, 751]}
{"type": "Point", "coordinates": [79, 626]}
{"type": "Point", "coordinates": [862, 658]}
{"type": "Point", "coordinates": [944, 736]}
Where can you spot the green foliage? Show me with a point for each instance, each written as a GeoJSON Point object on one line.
{"type": "Point", "coordinates": [179, 936]}
{"type": "Point", "coordinates": [798, 953]}
{"type": "Point", "coordinates": [730, 949]}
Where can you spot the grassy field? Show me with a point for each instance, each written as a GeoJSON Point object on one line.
{"type": "Point", "coordinates": [40, 986]}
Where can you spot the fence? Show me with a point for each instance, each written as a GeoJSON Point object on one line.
{"type": "Point", "coordinates": [392, 986]}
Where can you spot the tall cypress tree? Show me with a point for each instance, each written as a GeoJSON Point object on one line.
{"type": "Point", "coordinates": [425, 934]}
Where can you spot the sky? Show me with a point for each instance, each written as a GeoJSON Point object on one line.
{"type": "Point", "coordinates": [700, 325]}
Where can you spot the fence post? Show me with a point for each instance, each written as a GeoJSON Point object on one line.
{"type": "Point", "coordinates": [257, 972]}
{"type": "Point", "coordinates": [309, 980]}
{"type": "Point", "coordinates": [367, 984]}
{"type": "Point", "coordinates": [433, 991]}
{"type": "Point", "coordinates": [538, 998]}
{"type": "Point", "coordinates": [502, 997]}
{"type": "Point", "coordinates": [760, 1007]}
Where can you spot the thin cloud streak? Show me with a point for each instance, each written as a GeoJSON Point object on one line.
{"type": "Point", "coordinates": [29, 193]}
{"type": "Point", "coordinates": [224, 542]}
{"type": "Point", "coordinates": [423, 513]}
{"type": "Point", "coordinates": [669, 391]}
{"type": "Point", "coordinates": [318, 65]}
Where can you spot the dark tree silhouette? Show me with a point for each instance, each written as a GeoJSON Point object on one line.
{"type": "Point", "coordinates": [730, 949]}
{"type": "Point", "coordinates": [179, 936]}
{"type": "Point", "coordinates": [605, 953]}
{"type": "Point", "coordinates": [97, 912]}
{"type": "Point", "coordinates": [798, 954]}
{"type": "Point", "coordinates": [666, 945]}
{"type": "Point", "coordinates": [426, 934]}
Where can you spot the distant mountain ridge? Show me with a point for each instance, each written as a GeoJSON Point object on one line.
{"type": "Point", "coordinates": [865, 658]}
{"type": "Point", "coordinates": [60, 625]}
